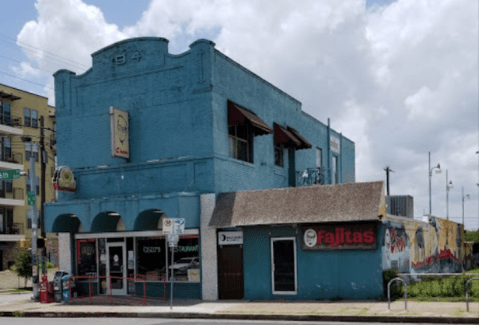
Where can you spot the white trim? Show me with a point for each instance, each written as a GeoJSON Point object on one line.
{"type": "Point", "coordinates": [12, 202]}
{"type": "Point", "coordinates": [149, 233]}
{"type": "Point", "coordinates": [11, 237]}
{"type": "Point", "coordinates": [5, 129]}
{"type": "Point", "coordinates": [295, 292]}
{"type": "Point", "coordinates": [9, 165]}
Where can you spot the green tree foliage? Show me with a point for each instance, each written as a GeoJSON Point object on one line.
{"type": "Point", "coordinates": [472, 236]}
{"type": "Point", "coordinates": [23, 264]}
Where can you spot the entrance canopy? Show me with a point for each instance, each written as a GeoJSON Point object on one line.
{"type": "Point", "coordinates": [312, 204]}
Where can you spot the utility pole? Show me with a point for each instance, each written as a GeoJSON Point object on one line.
{"type": "Point", "coordinates": [32, 202]}
{"type": "Point", "coordinates": [43, 160]}
{"type": "Point", "coordinates": [387, 169]}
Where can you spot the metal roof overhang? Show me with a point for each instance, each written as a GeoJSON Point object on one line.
{"type": "Point", "coordinates": [238, 115]}
{"type": "Point", "coordinates": [304, 143]}
{"type": "Point", "coordinates": [283, 136]}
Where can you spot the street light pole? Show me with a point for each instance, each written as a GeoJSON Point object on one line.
{"type": "Point", "coordinates": [438, 171]}
{"type": "Point", "coordinates": [448, 187]}
{"type": "Point", "coordinates": [464, 197]}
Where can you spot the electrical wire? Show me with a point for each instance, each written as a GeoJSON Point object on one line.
{"type": "Point", "coordinates": [33, 82]}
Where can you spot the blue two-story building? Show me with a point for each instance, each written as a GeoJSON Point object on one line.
{"type": "Point", "coordinates": [149, 135]}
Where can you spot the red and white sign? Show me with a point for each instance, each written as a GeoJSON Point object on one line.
{"type": "Point", "coordinates": [64, 180]}
{"type": "Point", "coordinates": [339, 236]}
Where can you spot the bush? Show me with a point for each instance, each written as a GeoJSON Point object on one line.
{"type": "Point", "coordinates": [397, 288]}
{"type": "Point", "coordinates": [23, 264]}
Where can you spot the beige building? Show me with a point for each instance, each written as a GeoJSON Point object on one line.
{"type": "Point", "coordinates": [20, 113]}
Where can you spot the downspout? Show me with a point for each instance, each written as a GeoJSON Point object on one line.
{"type": "Point", "coordinates": [329, 151]}
{"type": "Point", "coordinates": [340, 167]}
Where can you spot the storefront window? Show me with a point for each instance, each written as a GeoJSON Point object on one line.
{"type": "Point", "coordinates": [186, 264]}
{"type": "Point", "coordinates": [154, 258]}
{"type": "Point", "coordinates": [86, 256]}
{"type": "Point", "coordinates": [151, 256]}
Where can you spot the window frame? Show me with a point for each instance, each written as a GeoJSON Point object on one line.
{"type": "Point", "coordinates": [319, 158]}
{"type": "Point", "coordinates": [234, 139]}
{"type": "Point", "coordinates": [334, 176]}
{"type": "Point", "coordinates": [27, 117]}
{"type": "Point", "coordinates": [278, 154]}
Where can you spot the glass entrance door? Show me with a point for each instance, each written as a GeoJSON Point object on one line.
{"type": "Point", "coordinates": [283, 265]}
{"type": "Point", "coordinates": [116, 267]}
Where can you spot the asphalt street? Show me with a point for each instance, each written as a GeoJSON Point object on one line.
{"type": "Point", "coordinates": [149, 321]}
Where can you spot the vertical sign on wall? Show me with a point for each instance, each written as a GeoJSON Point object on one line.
{"type": "Point", "coordinates": [335, 144]}
{"type": "Point", "coordinates": [119, 129]}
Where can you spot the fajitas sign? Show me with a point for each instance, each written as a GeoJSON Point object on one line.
{"type": "Point", "coordinates": [339, 236]}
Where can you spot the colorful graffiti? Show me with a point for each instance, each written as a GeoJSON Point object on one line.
{"type": "Point", "coordinates": [411, 246]}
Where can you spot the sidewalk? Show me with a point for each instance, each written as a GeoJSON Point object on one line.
{"type": "Point", "coordinates": [425, 312]}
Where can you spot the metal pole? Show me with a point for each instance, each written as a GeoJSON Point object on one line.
{"type": "Point", "coordinates": [42, 191]}
{"type": "Point", "coordinates": [447, 197]}
{"type": "Point", "coordinates": [35, 279]}
{"type": "Point", "coordinates": [463, 205]}
{"type": "Point", "coordinates": [430, 174]}
{"type": "Point", "coordinates": [172, 276]}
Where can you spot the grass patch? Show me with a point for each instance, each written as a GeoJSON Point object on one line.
{"type": "Point", "coordinates": [458, 312]}
{"type": "Point", "coordinates": [18, 313]}
{"type": "Point", "coordinates": [15, 290]}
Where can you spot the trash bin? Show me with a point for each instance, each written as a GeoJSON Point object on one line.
{"type": "Point", "coordinates": [66, 287]}
{"type": "Point", "coordinates": [57, 285]}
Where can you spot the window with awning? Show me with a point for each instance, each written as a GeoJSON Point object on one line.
{"type": "Point", "coordinates": [243, 126]}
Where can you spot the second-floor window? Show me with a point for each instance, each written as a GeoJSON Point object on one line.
{"type": "Point", "coordinates": [334, 176]}
{"type": "Point", "coordinates": [5, 149]}
{"type": "Point", "coordinates": [31, 117]}
{"type": "Point", "coordinates": [5, 115]}
{"type": "Point", "coordinates": [279, 155]}
{"type": "Point", "coordinates": [241, 142]}
{"type": "Point", "coordinates": [31, 150]}
{"type": "Point", "coordinates": [319, 157]}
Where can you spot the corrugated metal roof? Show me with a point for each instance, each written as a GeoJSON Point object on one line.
{"type": "Point", "coordinates": [311, 204]}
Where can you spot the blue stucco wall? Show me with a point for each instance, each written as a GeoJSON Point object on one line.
{"type": "Point", "coordinates": [177, 106]}
{"type": "Point", "coordinates": [346, 274]}
{"type": "Point", "coordinates": [239, 85]}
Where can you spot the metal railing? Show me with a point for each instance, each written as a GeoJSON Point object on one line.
{"type": "Point", "coordinates": [389, 293]}
{"type": "Point", "coordinates": [94, 295]}
{"type": "Point", "coordinates": [149, 278]}
{"type": "Point", "coordinates": [10, 120]}
{"type": "Point", "coordinates": [311, 176]}
{"type": "Point", "coordinates": [467, 292]}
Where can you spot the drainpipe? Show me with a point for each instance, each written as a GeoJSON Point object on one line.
{"type": "Point", "coordinates": [329, 151]}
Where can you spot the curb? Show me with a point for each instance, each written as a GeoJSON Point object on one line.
{"type": "Point", "coordinates": [336, 318]}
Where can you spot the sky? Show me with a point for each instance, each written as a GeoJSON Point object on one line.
{"type": "Point", "coordinates": [397, 77]}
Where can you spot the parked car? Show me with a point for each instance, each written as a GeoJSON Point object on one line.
{"type": "Point", "coordinates": [185, 263]}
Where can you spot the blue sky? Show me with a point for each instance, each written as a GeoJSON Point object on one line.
{"type": "Point", "coordinates": [399, 78]}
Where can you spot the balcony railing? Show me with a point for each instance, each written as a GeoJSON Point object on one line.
{"type": "Point", "coordinates": [10, 120]}
{"type": "Point", "coordinates": [16, 193]}
{"type": "Point", "coordinates": [15, 158]}
{"type": "Point", "coordinates": [311, 176]}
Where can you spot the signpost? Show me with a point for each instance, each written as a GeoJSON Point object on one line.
{"type": "Point", "coordinates": [31, 198]}
{"type": "Point", "coordinates": [173, 227]}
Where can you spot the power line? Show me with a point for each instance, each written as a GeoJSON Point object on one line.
{"type": "Point", "coordinates": [36, 50]}
{"type": "Point", "coordinates": [33, 82]}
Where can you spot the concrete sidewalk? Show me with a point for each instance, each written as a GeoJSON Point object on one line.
{"type": "Point", "coordinates": [425, 312]}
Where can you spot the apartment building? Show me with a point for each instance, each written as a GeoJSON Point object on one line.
{"type": "Point", "coordinates": [20, 115]}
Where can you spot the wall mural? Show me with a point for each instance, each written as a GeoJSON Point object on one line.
{"type": "Point", "coordinates": [411, 246]}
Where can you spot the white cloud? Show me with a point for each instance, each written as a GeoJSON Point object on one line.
{"type": "Point", "coordinates": [400, 80]}
{"type": "Point", "coordinates": [26, 69]}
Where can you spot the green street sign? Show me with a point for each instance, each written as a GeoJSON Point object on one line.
{"type": "Point", "coordinates": [9, 174]}
{"type": "Point", "coordinates": [31, 198]}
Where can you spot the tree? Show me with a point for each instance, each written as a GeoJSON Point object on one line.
{"type": "Point", "coordinates": [472, 236]}
{"type": "Point", "coordinates": [23, 264]}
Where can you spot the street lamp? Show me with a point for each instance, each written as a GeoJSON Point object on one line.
{"type": "Point", "coordinates": [448, 187]}
{"type": "Point", "coordinates": [438, 171]}
{"type": "Point", "coordinates": [464, 197]}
